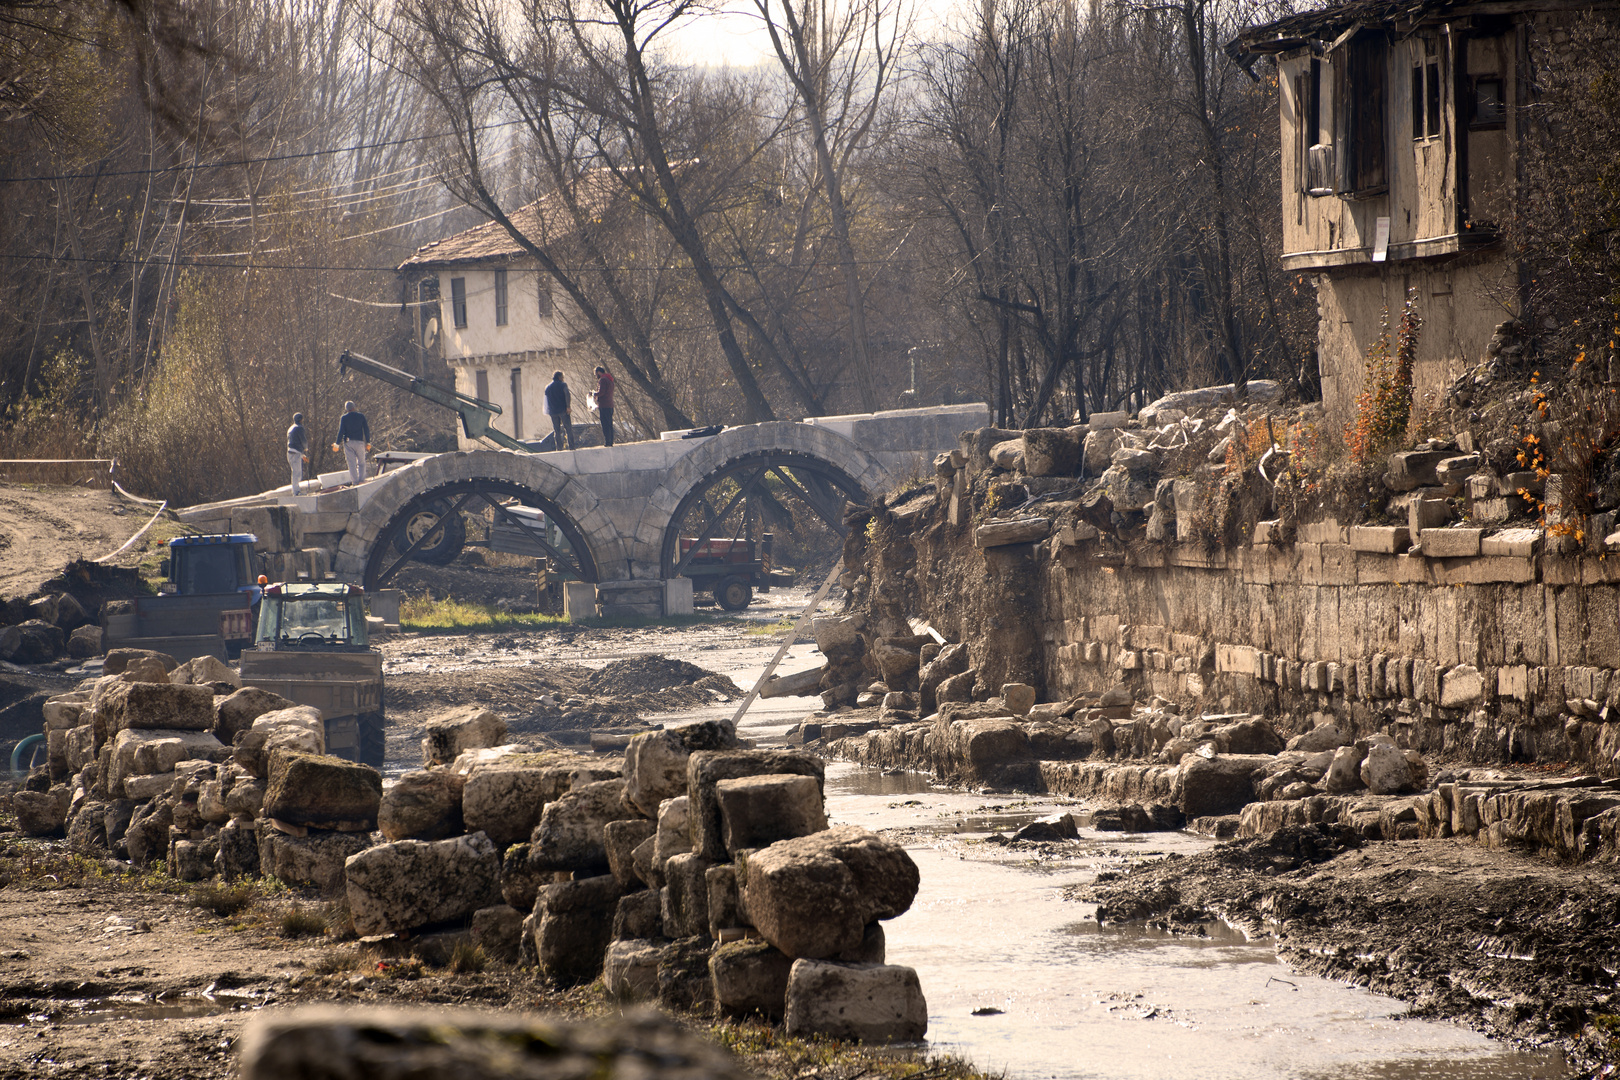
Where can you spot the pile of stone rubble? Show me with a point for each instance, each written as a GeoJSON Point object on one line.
{"type": "Point", "coordinates": [695, 871]}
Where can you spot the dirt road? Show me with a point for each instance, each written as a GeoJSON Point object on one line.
{"type": "Point", "coordinates": [42, 529]}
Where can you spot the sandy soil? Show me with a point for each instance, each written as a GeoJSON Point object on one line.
{"type": "Point", "coordinates": [1520, 948]}
{"type": "Point", "coordinates": [42, 529]}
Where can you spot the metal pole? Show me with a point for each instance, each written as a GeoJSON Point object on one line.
{"type": "Point", "coordinates": [793, 636]}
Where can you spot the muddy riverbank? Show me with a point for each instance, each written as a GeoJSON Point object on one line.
{"type": "Point", "coordinates": [1517, 947]}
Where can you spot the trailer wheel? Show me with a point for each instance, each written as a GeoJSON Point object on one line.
{"type": "Point", "coordinates": [445, 547]}
{"type": "Point", "coordinates": [373, 740]}
{"type": "Point", "coordinates": [733, 593]}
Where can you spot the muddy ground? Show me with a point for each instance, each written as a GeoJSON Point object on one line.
{"type": "Point", "coordinates": [1518, 947]}
{"type": "Point", "coordinates": [44, 528]}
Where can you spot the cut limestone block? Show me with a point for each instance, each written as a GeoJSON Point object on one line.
{"type": "Point", "coordinates": [422, 805]}
{"type": "Point", "coordinates": [575, 927]}
{"type": "Point", "coordinates": [451, 733]}
{"type": "Point", "coordinates": [757, 811]}
{"type": "Point", "coordinates": [707, 768]}
{"type": "Point", "coordinates": [630, 969]}
{"type": "Point", "coordinates": [750, 979]}
{"type": "Point", "coordinates": [621, 839]}
{"type": "Point", "coordinates": [315, 859]}
{"type": "Point", "coordinates": [149, 705]}
{"type": "Point", "coordinates": [322, 792]}
{"type": "Point", "coordinates": [299, 728]}
{"type": "Point", "coordinates": [237, 712]}
{"type": "Point", "coordinates": [571, 834]}
{"type": "Point", "coordinates": [655, 762]}
{"type": "Point", "coordinates": [410, 884]}
{"type": "Point", "coordinates": [505, 797]}
{"type": "Point", "coordinates": [881, 1004]}
{"type": "Point", "coordinates": [814, 896]}
{"type": "Point", "coordinates": [686, 910]}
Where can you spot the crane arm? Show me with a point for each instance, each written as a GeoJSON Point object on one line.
{"type": "Point", "coordinates": [477, 415]}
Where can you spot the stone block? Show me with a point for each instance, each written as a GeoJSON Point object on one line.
{"type": "Point", "coordinates": [1452, 543]}
{"type": "Point", "coordinates": [236, 713]}
{"type": "Point", "coordinates": [150, 705]}
{"type": "Point", "coordinates": [630, 969]}
{"type": "Point", "coordinates": [705, 770]}
{"type": "Point", "coordinates": [322, 792]}
{"type": "Point", "coordinates": [299, 728]}
{"type": "Point", "coordinates": [725, 902]}
{"type": "Point", "coordinates": [881, 1004]}
{"type": "Point", "coordinates": [450, 734]}
{"type": "Point", "coordinates": [1209, 787]}
{"type": "Point", "coordinates": [1513, 682]}
{"type": "Point", "coordinates": [422, 805]}
{"type": "Point", "coordinates": [410, 884]}
{"type": "Point", "coordinates": [1515, 543]}
{"type": "Point", "coordinates": [571, 832]}
{"type": "Point", "coordinates": [750, 979]}
{"type": "Point", "coordinates": [639, 915]}
{"type": "Point", "coordinates": [141, 752]}
{"type": "Point", "coordinates": [1461, 687]}
{"type": "Point", "coordinates": [316, 859]}
{"type": "Point", "coordinates": [1383, 539]}
{"type": "Point", "coordinates": [678, 596]}
{"type": "Point", "coordinates": [757, 811]}
{"type": "Point", "coordinates": [1413, 469]}
{"type": "Point", "coordinates": [506, 797]}
{"type": "Point", "coordinates": [686, 896]}
{"type": "Point", "coordinates": [498, 930]}
{"type": "Point", "coordinates": [579, 600]}
{"type": "Point", "coordinates": [1427, 514]}
{"type": "Point", "coordinates": [814, 896]}
{"type": "Point", "coordinates": [575, 927]}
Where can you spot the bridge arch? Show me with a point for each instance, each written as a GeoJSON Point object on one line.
{"type": "Point", "coordinates": [816, 447]}
{"type": "Point", "coordinates": [527, 477]}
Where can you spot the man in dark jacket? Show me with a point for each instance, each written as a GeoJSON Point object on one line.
{"type": "Point", "coordinates": [604, 403]}
{"type": "Point", "coordinates": [297, 452]}
{"type": "Point", "coordinates": [558, 400]}
{"type": "Point", "coordinates": [354, 439]}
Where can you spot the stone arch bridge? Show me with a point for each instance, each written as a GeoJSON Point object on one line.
{"type": "Point", "coordinates": [616, 506]}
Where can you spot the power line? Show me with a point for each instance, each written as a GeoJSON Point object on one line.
{"type": "Point", "coordinates": [191, 262]}
{"type": "Point", "coordinates": [244, 161]}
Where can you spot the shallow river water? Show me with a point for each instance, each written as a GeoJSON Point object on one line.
{"type": "Point", "coordinates": [989, 930]}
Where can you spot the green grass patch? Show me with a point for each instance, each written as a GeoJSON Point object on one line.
{"type": "Point", "coordinates": [775, 629]}
{"type": "Point", "coordinates": [468, 959]}
{"type": "Point", "coordinates": [299, 922]}
{"type": "Point", "coordinates": [224, 900]}
{"type": "Point", "coordinates": [425, 615]}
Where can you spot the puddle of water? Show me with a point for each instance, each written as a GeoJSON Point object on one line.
{"type": "Point", "coordinates": [990, 931]}
{"type": "Point", "coordinates": [114, 1009]}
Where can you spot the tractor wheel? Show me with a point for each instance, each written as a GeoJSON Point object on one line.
{"type": "Point", "coordinates": [445, 547]}
{"type": "Point", "coordinates": [733, 593]}
{"type": "Point", "coordinates": [373, 740]}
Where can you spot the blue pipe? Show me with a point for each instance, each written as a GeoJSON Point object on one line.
{"type": "Point", "coordinates": [17, 751]}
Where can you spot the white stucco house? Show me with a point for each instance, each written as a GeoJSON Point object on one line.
{"type": "Point", "coordinates": [503, 327]}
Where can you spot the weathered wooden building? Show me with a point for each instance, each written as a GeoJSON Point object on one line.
{"type": "Point", "coordinates": [1402, 128]}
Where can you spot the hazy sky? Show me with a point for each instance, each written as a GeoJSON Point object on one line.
{"type": "Point", "coordinates": [736, 39]}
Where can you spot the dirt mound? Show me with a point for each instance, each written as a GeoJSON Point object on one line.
{"type": "Point", "coordinates": [644, 675]}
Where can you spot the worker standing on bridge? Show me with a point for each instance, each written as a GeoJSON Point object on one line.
{"type": "Point", "coordinates": [354, 437]}
{"type": "Point", "coordinates": [604, 402]}
{"type": "Point", "coordinates": [297, 452]}
{"type": "Point", "coordinates": [558, 401]}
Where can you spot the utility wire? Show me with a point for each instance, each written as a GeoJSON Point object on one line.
{"type": "Point", "coordinates": [243, 161]}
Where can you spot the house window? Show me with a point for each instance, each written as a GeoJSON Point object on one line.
{"type": "Point", "coordinates": [1490, 108]}
{"type": "Point", "coordinates": [1426, 101]}
{"type": "Point", "coordinates": [1315, 148]}
{"type": "Point", "coordinates": [500, 298]}
{"type": "Point", "coordinates": [545, 298]}
{"type": "Point", "coordinates": [517, 403]}
{"type": "Point", "coordinates": [1360, 71]}
{"type": "Point", "coordinates": [458, 302]}
{"type": "Point", "coordinates": [481, 385]}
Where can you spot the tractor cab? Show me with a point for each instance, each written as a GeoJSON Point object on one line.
{"type": "Point", "coordinates": [322, 617]}
{"type": "Point", "coordinates": [311, 648]}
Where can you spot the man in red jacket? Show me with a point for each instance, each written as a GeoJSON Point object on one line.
{"type": "Point", "coordinates": [604, 403]}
